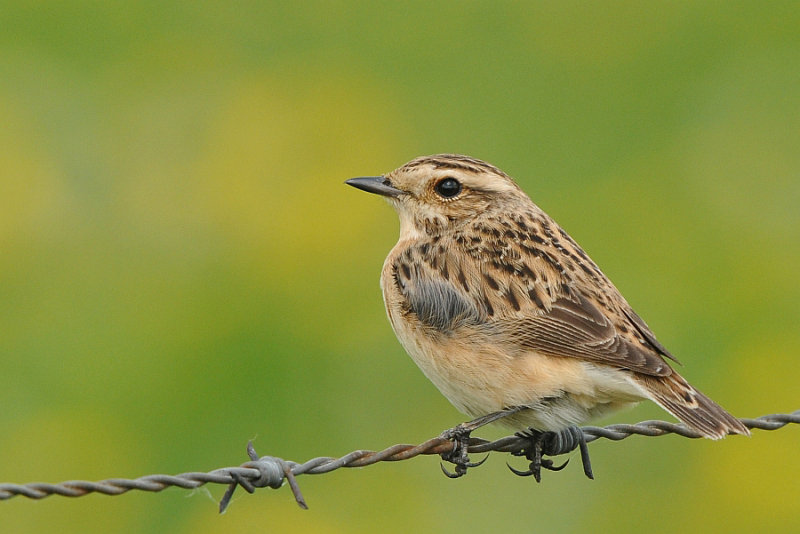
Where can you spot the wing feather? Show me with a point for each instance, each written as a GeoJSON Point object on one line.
{"type": "Point", "coordinates": [575, 327]}
{"type": "Point", "coordinates": [527, 302]}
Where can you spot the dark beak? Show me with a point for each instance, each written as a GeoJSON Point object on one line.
{"type": "Point", "coordinates": [375, 184]}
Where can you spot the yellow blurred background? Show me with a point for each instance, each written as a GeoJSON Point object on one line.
{"type": "Point", "coordinates": [182, 268]}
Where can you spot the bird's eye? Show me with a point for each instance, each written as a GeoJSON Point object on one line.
{"type": "Point", "coordinates": [448, 188]}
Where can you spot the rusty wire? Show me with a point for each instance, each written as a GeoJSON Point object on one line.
{"type": "Point", "coordinates": [269, 471]}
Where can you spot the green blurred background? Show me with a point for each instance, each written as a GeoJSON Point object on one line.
{"type": "Point", "coordinates": [182, 268]}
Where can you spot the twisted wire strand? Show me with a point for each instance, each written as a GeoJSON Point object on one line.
{"type": "Point", "coordinates": [269, 471]}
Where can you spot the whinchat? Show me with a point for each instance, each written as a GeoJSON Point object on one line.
{"type": "Point", "coordinates": [501, 308]}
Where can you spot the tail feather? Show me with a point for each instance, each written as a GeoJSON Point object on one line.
{"type": "Point", "coordinates": [678, 397]}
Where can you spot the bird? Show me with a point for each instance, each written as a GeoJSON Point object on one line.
{"type": "Point", "coordinates": [510, 319]}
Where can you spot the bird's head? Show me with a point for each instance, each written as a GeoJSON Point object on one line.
{"type": "Point", "coordinates": [435, 193]}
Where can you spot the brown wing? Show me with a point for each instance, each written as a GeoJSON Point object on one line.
{"type": "Point", "coordinates": [549, 296]}
{"type": "Point", "coordinates": [525, 293]}
{"type": "Point", "coordinates": [574, 327]}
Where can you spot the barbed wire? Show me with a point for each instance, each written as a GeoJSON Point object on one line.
{"type": "Point", "coordinates": [270, 471]}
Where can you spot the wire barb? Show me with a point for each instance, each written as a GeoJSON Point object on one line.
{"type": "Point", "coordinates": [269, 471]}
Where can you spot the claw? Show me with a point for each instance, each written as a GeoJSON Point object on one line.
{"type": "Point", "coordinates": [477, 464]}
{"type": "Point", "coordinates": [460, 471]}
{"type": "Point", "coordinates": [459, 435]}
{"type": "Point", "coordinates": [551, 444]}
{"type": "Point", "coordinates": [458, 456]}
{"type": "Point", "coordinates": [519, 473]}
{"type": "Point", "coordinates": [552, 467]}
{"type": "Point", "coordinates": [461, 468]}
{"type": "Point", "coordinates": [532, 470]}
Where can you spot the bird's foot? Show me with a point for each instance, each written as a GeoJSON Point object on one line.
{"type": "Point", "coordinates": [552, 444]}
{"type": "Point", "coordinates": [460, 436]}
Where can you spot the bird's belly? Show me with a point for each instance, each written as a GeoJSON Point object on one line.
{"type": "Point", "coordinates": [478, 378]}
